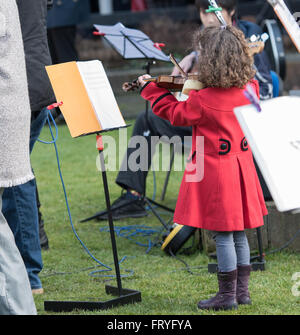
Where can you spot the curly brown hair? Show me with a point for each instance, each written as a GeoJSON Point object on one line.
{"type": "Point", "coordinates": [224, 57]}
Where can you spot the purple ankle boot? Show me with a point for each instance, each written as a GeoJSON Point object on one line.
{"type": "Point", "coordinates": [242, 293]}
{"type": "Point", "coordinates": [226, 297]}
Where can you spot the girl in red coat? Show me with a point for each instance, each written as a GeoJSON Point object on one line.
{"type": "Point", "coordinates": [222, 193]}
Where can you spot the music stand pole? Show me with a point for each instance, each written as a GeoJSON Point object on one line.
{"type": "Point", "coordinates": [261, 263]}
{"type": "Point", "coordinates": [147, 68]}
{"type": "Point", "coordinates": [124, 296]}
{"type": "Point", "coordinates": [110, 220]}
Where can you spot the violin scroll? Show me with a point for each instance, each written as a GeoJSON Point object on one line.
{"type": "Point", "coordinates": [130, 86]}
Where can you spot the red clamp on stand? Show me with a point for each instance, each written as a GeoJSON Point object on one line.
{"type": "Point", "coordinates": [159, 45]}
{"type": "Point", "coordinates": [99, 143]}
{"type": "Point", "coordinates": [54, 105]}
{"type": "Point", "coordinates": [97, 33]}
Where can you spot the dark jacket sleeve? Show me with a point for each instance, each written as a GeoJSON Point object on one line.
{"type": "Point", "coordinates": [33, 15]}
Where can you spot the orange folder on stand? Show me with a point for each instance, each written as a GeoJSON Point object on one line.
{"type": "Point", "coordinates": [89, 105]}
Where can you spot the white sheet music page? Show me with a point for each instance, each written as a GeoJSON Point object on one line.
{"type": "Point", "coordinates": [101, 95]}
{"type": "Point", "coordinates": [287, 20]}
{"type": "Point", "coordinates": [274, 137]}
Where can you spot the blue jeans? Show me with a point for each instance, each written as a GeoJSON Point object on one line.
{"type": "Point", "coordinates": [15, 293]}
{"type": "Point", "coordinates": [21, 213]}
{"type": "Point", "coordinates": [232, 250]}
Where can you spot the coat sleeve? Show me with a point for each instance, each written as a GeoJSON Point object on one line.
{"type": "Point", "coordinates": [165, 105]}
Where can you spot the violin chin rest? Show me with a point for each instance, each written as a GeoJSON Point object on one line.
{"type": "Point", "coordinates": [191, 84]}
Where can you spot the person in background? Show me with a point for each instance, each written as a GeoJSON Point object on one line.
{"type": "Point", "coordinates": [139, 5]}
{"type": "Point", "coordinates": [229, 12]}
{"type": "Point", "coordinates": [20, 202]}
{"type": "Point", "coordinates": [15, 292]}
{"type": "Point", "coordinates": [62, 21]}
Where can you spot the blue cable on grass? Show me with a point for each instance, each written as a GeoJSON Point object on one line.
{"type": "Point", "coordinates": [130, 231]}
{"type": "Point", "coordinates": [108, 268]}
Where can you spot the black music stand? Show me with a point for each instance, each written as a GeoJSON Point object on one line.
{"type": "Point", "coordinates": [124, 296]}
{"type": "Point", "coordinates": [133, 44]}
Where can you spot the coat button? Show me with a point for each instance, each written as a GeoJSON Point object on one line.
{"type": "Point", "coordinates": [244, 144]}
{"type": "Point", "coordinates": [223, 146]}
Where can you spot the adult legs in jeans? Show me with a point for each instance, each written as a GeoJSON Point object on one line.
{"type": "Point", "coordinates": [15, 293]}
{"type": "Point", "coordinates": [21, 213]}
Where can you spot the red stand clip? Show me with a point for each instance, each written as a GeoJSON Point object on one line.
{"type": "Point", "coordinates": [99, 143]}
{"type": "Point", "coordinates": [97, 33]}
{"type": "Point", "coordinates": [159, 45]}
{"type": "Point", "coordinates": [56, 104]}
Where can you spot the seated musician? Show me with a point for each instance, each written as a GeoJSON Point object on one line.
{"type": "Point", "coordinates": [133, 183]}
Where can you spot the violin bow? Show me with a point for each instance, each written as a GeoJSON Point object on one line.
{"type": "Point", "coordinates": [175, 63]}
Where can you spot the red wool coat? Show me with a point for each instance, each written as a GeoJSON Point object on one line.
{"type": "Point", "coordinates": [229, 196]}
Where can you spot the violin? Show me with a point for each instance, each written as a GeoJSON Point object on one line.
{"type": "Point", "coordinates": [173, 83]}
{"type": "Point", "coordinates": [187, 81]}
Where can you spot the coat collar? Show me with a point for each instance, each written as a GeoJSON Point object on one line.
{"type": "Point", "coordinates": [224, 99]}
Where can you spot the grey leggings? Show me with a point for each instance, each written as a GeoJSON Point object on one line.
{"type": "Point", "coordinates": [232, 250]}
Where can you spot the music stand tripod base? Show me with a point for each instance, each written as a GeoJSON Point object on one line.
{"type": "Point", "coordinates": [261, 265]}
{"type": "Point", "coordinates": [127, 297]}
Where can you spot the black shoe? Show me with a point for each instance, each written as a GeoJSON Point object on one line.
{"type": "Point", "coordinates": [126, 206]}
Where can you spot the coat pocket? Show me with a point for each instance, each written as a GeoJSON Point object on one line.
{"type": "Point", "coordinates": [2, 25]}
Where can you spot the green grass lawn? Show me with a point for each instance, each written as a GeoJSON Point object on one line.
{"type": "Point", "coordinates": [166, 285]}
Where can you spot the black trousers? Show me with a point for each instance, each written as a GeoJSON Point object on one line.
{"type": "Point", "coordinates": [147, 127]}
{"type": "Point", "coordinates": [61, 42]}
